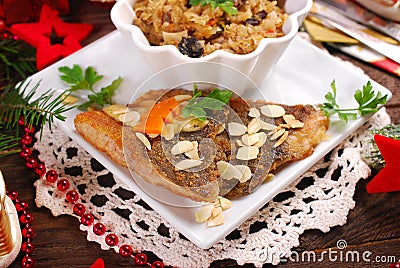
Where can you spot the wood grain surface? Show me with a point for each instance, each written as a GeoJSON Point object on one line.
{"type": "Point", "coordinates": [373, 225]}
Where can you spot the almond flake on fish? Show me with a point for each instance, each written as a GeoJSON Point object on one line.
{"type": "Point", "coordinates": [143, 139]}
{"type": "Point", "coordinates": [240, 143]}
{"type": "Point", "coordinates": [181, 98]}
{"type": "Point", "coordinates": [194, 153]}
{"type": "Point", "coordinates": [168, 132]}
{"type": "Point", "coordinates": [254, 126]}
{"type": "Point", "coordinates": [277, 134]}
{"type": "Point", "coordinates": [132, 117]}
{"type": "Point", "coordinates": [182, 147]}
{"type": "Point", "coordinates": [228, 171]}
{"type": "Point", "coordinates": [272, 110]}
{"type": "Point", "coordinates": [204, 213]}
{"type": "Point", "coordinates": [236, 129]}
{"type": "Point", "coordinates": [216, 211]}
{"type": "Point", "coordinates": [250, 139]}
{"type": "Point", "coordinates": [187, 163]}
{"type": "Point", "coordinates": [263, 138]}
{"type": "Point", "coordinates": [246, 172]}
{"type": "Point", "coordinates": [281, 139]}
{"type": "Point", "coordinates": [254, 112]}
{"type": "Point", "coordinates": [247, 153]}
{"type": "Point", "coordinates": [292, 121]}
{"type": "Point", "coordinates": [267, 126]}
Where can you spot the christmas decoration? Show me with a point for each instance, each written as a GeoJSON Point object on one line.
{"type": "Point", "coordinates": [99, 263]}
{"type": "Point", "coordinates": [388, 179]}
{"type": "Point", "coordinates": [52, 37]}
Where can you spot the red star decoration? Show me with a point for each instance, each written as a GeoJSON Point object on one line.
{"type": "Point", "coordinates": [388, 179]}
{"type": "Point", "coordinates": [99, 263]}
{"type": "Point", "coordinates": [39, 35]}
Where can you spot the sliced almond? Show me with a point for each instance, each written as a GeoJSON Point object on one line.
{"type": "Point", "coordinates": [247, 152]}
{"type": "Point", "coordinates": [282, 139]}
{"type": "Point", "coordinates": [254, 112]}
{"type": "Point", "coordinates": [240, 143]}
{"type": "Point", "coordinates": [194, 153]}
{"type": "Point", "coordinates": [215, 221]}
{"type": "Point", "coordinates": [267, 126]}
{"type": "Point", "coordinates": [115, 111]}
{"type": "Point", "coordinates": [181, 98]}
{"type": "Point", "coordinates": [246, 172]}
{"type": "Point", "coordinates": [194, 124]}
{"type": "Point", "coordinates": [273, 110]}
{"type": "Point", "coordinates": [262, 139]}
{"type": "Point", "coordinates": [221, 129]}
{"type": "Point", "coordinates": [168, 131]}
{"type": "Point", "coordinates": [69, 99]}
{"type": "Point", "coordinates": [131, 117]}
{"type": "Point", "coordinates": [250, 139]}
{"type": "Point", "coordinates": [277, 134]}
{"type": "Point", "coordinates": [119, 111]}
{"type": "Point", "coordinates": [143, 139]}
{"type": "Point", "coordinates": [216, 211]}
{"type": "Point", "coordinates": [296, 124]}
{"type": "Point", "coordinates": [224, 203]}
{"type": "Point", "coordinates": [152, 135]}
{"type": "Point", "coordinates": [204, 213]}
{"type": "Point", "coordinates": [228, 171]}
{"type": "Point", "coordinates": [269, 177]}
{"type": "Point", "coordinates": [182, 147]}
{"type": "Point", "coordinates": [236, 129]}
{"type": "Point", "coordinates": [187, 163]}
{"type": "Point", "coordinates": [254, 126]}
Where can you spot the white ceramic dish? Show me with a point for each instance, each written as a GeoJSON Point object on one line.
{"type": "Point", "coordinates": [257, 65]}
{"type": "Point", "coordinates": [303, 76]}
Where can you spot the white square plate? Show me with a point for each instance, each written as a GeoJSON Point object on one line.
{"type": "Point", "coordinates": [302, 76]}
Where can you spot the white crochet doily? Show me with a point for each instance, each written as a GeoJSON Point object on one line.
{"type": "Point", "coordinates": [320, 199]}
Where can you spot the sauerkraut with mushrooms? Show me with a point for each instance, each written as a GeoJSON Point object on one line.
{"type": "Point", "coordinates": [170, 22]}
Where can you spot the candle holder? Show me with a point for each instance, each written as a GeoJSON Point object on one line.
{"type": "Point", "coordinates": [10, 233]}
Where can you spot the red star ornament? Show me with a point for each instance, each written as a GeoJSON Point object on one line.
{"type": "Point", "coordinates": [38, 35]}
{"type": "Point", "coordinates": [99, 263]}
{"type": "Point", "coordinates": [388, 179]}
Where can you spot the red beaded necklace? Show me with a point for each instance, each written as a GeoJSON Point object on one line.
{"type": "Point", "coordinates": [71, 196]}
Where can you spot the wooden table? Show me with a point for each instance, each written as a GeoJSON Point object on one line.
{"type": "Point", "coordinates": [374, 223]}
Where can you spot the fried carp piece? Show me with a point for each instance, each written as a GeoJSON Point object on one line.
{"type": "Point", "coordinates": [106, 134]}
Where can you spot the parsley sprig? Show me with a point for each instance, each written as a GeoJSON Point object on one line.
{"type": "Point", "coordinates": [86, 80]}
{"type": "Point", "coordinates": [226, 5]}
{"type": "Point", "coordinates": [368, 102]}
{"type": "Point", "coordinates": [215, 100]}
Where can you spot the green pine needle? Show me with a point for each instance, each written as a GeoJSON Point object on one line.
{"type": "Point", "coordinates": [8, 144]}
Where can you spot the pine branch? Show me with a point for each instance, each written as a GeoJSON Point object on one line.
{"type": "Point", "coordinates": [19, 101]}
{"type": "Point", "coordinates": [8, 144]}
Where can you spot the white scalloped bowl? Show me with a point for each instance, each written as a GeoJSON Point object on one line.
{"type": "Point", "coordinates": [257, 65]}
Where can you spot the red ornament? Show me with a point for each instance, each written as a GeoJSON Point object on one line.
{"type": "Point", "coordinates": [26, 218]}
{"type": "Point", "coordinates": [99, 263]}
{"type": "Point", "coordinates": [27, 247]}
{"type": "Point", "coordinates": [72, 196]}
{"type": "Point", "coordinates": [79, 209]}
{"type": "Point", "coordinates": [111, 240]}
{"type": "Point", "coordinates": [157, 264]}
{"type": "Point", "coordinates": [21, 206]}
{"type": "Point", "coordinates": [40, 169]}
{"type": "Point", "coordinates": [125, 251]}
{"type": "Point", "coordinates": [30, 162]}
{"type": "Point", "coordinates": [51, 176]}
{"type": "Point", "coordinates": [27, 262]}
{"type": "Point", "coordinates": [25, 152]}
{"type": "Point", "coordinates": [28, 232]}
{"type": "Point", "coordinates": [388, 179]}
{"type": "Point", "coordinates": [99, 229]}
{"type": "Point", "coordinates": [39, 35]}
{"type": "Point", "coordinates": [26, 139]}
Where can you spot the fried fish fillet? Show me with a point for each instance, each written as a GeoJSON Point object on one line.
{"type": "Point", "coordinates": [155, 165]}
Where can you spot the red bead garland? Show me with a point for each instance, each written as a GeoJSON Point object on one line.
{"type": "Point", "coordinates": [71, 196]}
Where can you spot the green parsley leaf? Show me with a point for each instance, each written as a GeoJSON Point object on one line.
{"type": "Point", "coordinates": [74, 76]}
{"type": "Point", "coordinates": [226, 5]}
{"type": "Point", "coordinates": [368, 102]}
{"type": "Point", "coordinates": [215, 100]}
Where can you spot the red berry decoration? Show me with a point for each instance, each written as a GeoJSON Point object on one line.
{"type": "Point", "coordinates": [140, 259]}
{"type": "Point", "coordinates": [26, 218]}
{"type": "Point", "coordinates": [13, 195]}
{"type": "Point", "coordinates": [29, 130]}
{"type": "Point", "coordinates": [62, 185]}
{"type": "Point", "coordinates": [25, 152]}
{"type": "Point", "coordinates": [21, 121]}
{"type": "Point", "coordinates": [395, 265]}
{"type": "Point", "coordinates": [72, 196]}
{"type": "Point", "coordinates": [157, 264]}
{"type": "Point", "coordinates": [40, 169]}
{"type": "Point", "coordinates": [21, 206]}
{"type": "Point", "coordinates": [87, 219]}
{"type": "Point", "coordinates": [28, 232]}
{"type": "Point", "coordinates": [30, 162]}
{"type": "Point", "coordinates": [99, 229]}
{"type": "Point", "coordinates": [27, 247]}
{"type": "Point", "coordinates": [111, 240]}
{"type": "Point", "coordinates": [51, 175]}
{"type": "Point", "coordinates": [27, 262]}
{"type": "Point", "coordinates": [125, 251]}
{"type": "Point", "coordinates": [79, 209]}
{"type": "Point", "coordinates": [26, 139]}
